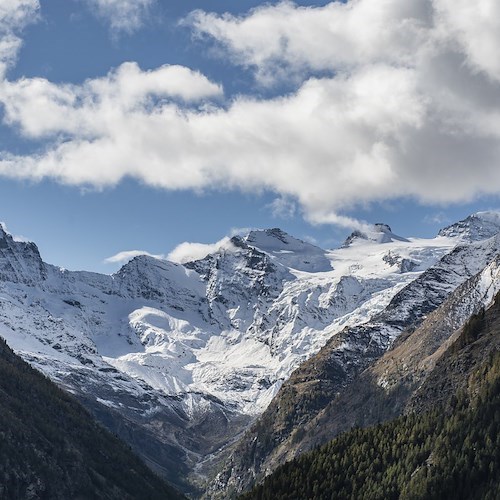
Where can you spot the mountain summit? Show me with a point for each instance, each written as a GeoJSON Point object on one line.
{"type": "Point", "coordinates": [475, 227]}
{"type": "Point", "coordinates": [378, 233]}
{"type": "Point", "coordinates": [290, 251]}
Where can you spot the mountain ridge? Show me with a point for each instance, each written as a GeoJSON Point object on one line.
{"type": "Point", "coordinates": [187, 356]}
{"type": "Point", "coordinates": [316, 382]}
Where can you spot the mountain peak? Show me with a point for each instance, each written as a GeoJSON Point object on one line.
{"type": "Point", "coordinates": [273, 236]}
{"type": "Point", "coordinates": [238, 242]}
{"type": "Point", "coordinates": [14, 252]}
{"type": "Point", "coordinates": [382, 227]}
{"type": "Point", "coordinates": [476, 227]}
{"type": "Point", "coordinates": [5, 236]}
{"type": "Point", "coordinates": [289, 251]}
{"type": "Point", "coordinates": [378, 233]}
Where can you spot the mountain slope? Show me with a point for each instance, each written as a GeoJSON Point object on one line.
{"type": "Point", "coordinates": [290, 251]}
{"type": "Point", "coordinates": [278, 433]}
{"type": "Point", "coordinates": [445, 447]}
{"type": "Point", "coordinates": [385, 389]}
{"type": "Point", "coordinates": [51, 448]}
{"type": "Point", "coordinates": [478, 226]}
{"type": "Point", "coordinates": [448, 452]}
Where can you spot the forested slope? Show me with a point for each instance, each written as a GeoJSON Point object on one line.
{"type": "Point", "coordinates": [450, 451]}
{"type": "Point", "coordinates": [50, 448]}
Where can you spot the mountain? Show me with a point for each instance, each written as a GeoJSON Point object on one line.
{"type": "Point", "coordinates": [51, 448]}
{"type": "Point", "coordinates": [181, 360]}
{"type": "Point", "coordinates": [290, 251]}
{"type": "Point", "coordinates": [446, 449]}
{"type": "Point", "coordinates": [478, 226]}
{"type": "Point", "coordinates": [379, 233]}
{"type": "Point", "coordinates": [293, 422]}
{"type": "Point", "coordinates": [391, 386]}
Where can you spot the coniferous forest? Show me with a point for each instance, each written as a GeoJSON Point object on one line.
{"type": "Point", "coordinates": [51, 448]}
{"type": "Point", "coordinates": [451, 452]}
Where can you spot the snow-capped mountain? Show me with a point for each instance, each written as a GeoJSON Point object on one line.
{"type": "Point", "coordinates": [403, 379]}
{"type": "Point", "coordinates": [192, 353]}
{"type": "Point", "coordinates": [379, 233]}
{"type": "Point", "coordinates": [290, 251]}
{"type": "Point", "coordinates": [317, 382]}
{"type": "Point", "coordinates": [478, 226]}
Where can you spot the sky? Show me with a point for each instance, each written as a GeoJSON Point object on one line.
{"type": "Point", "coordinates": [131, 126]}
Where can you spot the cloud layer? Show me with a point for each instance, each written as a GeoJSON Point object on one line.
{"type": "Point", "coordinates": [394, 99]}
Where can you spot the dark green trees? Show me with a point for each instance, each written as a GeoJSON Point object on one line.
{"type": "Point", "coordinates": [50, 447]}
{"type": "Point", "coordinates": [452, 452]}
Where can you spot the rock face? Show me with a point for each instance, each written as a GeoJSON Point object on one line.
{"type": "Point", "coordinates": [180, 359]}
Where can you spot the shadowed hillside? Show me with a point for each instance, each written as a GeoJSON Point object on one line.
{"type": "Point", "coordinates": [50, 448]}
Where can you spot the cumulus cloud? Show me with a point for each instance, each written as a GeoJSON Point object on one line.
{"type": "Point", "coordinates": [126, 255]}
{"type": "Point", "coordinates": [475, 27]}
{"type": "Point", "coordinates": [328, 144]}
{"type": "Point", "coordinates": [188, 252]}
{"type": "Point", "coordinates": [277, 40]}
{"type": "Point", "coordinates": [395, 99]}
{"type": "Point", "coordinates": [122, 15]}
{"type": "Point", "coordinates": [15, 14]}
{"type": "Point", "coordinates": [89, 111]}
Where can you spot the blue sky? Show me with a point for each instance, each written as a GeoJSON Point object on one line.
{"type": "Point", "coordinates": [308, 116]}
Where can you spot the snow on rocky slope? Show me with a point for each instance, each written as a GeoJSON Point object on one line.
{"type": "Point", "coordinates": [226, 330]}
{"type": "Point", "coordinates": [290, 251]}
{"type": "Point", "coordinates": [475, 227]}
{"type": "Point", "coordinates": [316, 382]}
{"type": "Point", "coordinates": [403, 370]}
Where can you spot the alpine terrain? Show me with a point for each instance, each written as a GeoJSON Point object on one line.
{"type": "Point", "coordinates": [219, 370]}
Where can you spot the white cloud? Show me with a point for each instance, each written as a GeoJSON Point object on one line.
{"type": "Point", "coordinates": [188, 252]}
{"type": "Point", "coordinates": [437, 218]}
{"type": "Point", "coordinates": [475, 26]}
{"type": "Point", "coordinates": [411, 108]}
{"type": "Point", "coordinates": [328, 144]}
{"type": "Point", "coordinates": [283, 208]}
{"type": "Point", "coordinates": [242, 231]}
{"type": "Point", "coordinates": [122, 15]}
{"type": "Point", "coordinates": [279, 39]}
{"type": "Point", "coordinates": [14, 16]}
{"type": "Point", "coordinates": [93, 109]}
{"type": "Point", "coordinates": [126, 255]}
